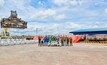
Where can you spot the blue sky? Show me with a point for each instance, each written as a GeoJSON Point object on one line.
{"type": "Point", "coordinates": [56, 16]}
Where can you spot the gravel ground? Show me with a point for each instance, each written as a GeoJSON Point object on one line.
{"type": "Point", "coordinates": [31, 54]}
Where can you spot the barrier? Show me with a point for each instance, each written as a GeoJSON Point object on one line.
{"type": "Point", "coordinates": [6, 42]}
{"type": "Point", "coordinates": [75, 39]}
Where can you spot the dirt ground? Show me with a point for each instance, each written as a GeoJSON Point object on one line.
{"type": "Point", "coordinates": [31, 54]}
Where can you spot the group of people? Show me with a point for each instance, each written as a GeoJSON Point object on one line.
{"type": "Point", "coordinates": [54, 41]}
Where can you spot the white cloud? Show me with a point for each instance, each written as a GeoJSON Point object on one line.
{"type": "Point", "coordinates": [60, 17]}
{"type": "Point", "coordinates": [37, 28]}
{"type": "Point", "coordinates": [44, 14]}
{"type": "Point", "coordinates": [98, 24]}
{"type": "Point", "coordinates": [1, 3]}
{"type": "Point", "coordinates": [67, 2]}
{"type": "Point", "coordinates": [105, 10]}
{"type": "Point", "coordinates": [45, 29]}
{"type": "Point", "coordinates": [21, 6]}
{"type": "Point", "coordinates": [48, 14]}
{"type": "Point", "coordinates": [72, 25]}
{"type": "Point", "coordinates": [60, 2]}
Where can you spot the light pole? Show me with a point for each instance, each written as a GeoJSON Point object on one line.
{"type": "Point", "coordinates": [36, 31]}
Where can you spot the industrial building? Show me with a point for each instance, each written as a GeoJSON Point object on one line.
{"type": "Point", "coordinates": [91, 35]}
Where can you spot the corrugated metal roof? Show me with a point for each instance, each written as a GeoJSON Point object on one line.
{"type": "Point", "coordinates": [90, 30]}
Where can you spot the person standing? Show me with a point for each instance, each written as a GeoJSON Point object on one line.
{"type": "Point", "coordinates": [39, 41]}
{"type": "Point", "coordinates": [44, 44]}
{"type": "Point", "coordinates": [45, 41]}
{"type": "Point", "coordinates": [71, 41]}
{"type": "Point", "coordinates": [62, 43]}
{"type": "Point", "coordinates": [50, 41]}
{"type": "Point", "coordinates": [67, 41]}
{"type": "Point", "coordinates": [57, 40]}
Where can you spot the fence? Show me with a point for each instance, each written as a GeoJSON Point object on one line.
{"type": "Point", "coordinates": [6, 42]}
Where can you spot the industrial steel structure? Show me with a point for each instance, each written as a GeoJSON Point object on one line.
{"type": "Point", "coordinates": [13, 22]}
